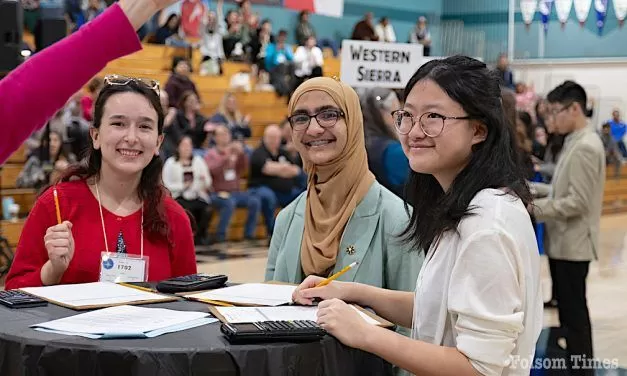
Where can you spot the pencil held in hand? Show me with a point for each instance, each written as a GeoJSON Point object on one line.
{"type": "Point", "coordinates": [336, 275]}
{"type": "Point", "coordinates": [56, 206]}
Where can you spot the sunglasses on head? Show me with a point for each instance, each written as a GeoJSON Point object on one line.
{"type": "Point", "coordinates": [117, 80]}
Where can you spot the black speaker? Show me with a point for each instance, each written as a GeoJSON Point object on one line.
{"type": "Point", "coordinates": [49, 31]}
{"type": "Point", "coordinates": [11, 24]}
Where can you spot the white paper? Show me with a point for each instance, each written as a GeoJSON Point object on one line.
{"type": "Point", "coordinates": [262, 294]}
{"type": "Point", "coordinates": [90, 294]}
{"type": "Point", "coordinates": [126, 322]}
{"type": "Point", "coordinates": [288, 313]}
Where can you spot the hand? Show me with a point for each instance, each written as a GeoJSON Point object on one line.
{"type": "Point", "coordinates": [60, 246]}
{"type": "Point", "coordinates": [139, 12]}
{"type": "Point", "coordinates": [237, 148]}
{"type": "Point", "coordinates": [247, 119]}
{"type": "Point", "coordinates": [61, 164]}
{"type": "Point", "coordinates": [343, 322]}
{"type": "Point", "coordinates": [307, 291]}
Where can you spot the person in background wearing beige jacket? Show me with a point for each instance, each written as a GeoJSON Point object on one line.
{"type": "Point", "coordinates": [571, 207]}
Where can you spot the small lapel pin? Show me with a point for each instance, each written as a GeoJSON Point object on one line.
{"type": "Point", "coordinates": [350, 250]}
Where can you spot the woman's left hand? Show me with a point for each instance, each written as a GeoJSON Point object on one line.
{"type": "Point", "coordinates": [343, 322]}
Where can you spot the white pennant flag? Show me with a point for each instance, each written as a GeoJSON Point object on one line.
{"type": "Point", "coordinates": [582, 9]}
{"type": "Point", "coordinates": [620, 8]}
{"type": "Point", "coordinates": [563, 7]}
{"type": "Point", "coordinates": [528, 9]}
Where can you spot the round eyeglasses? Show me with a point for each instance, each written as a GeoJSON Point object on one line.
{"type": "Point", "coordinates": [431, 123]}
{"type": "Point", "coordinates": [325, 118]}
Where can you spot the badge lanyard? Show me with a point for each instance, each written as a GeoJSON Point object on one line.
{"type": "Point", "coordinates": [104, 231]}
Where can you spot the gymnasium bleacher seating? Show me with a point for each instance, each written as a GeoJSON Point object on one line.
{"type": "Point", "coordinates": [264, 107]}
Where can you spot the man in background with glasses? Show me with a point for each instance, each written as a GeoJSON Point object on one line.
{"type": "Point", "coordinates": [571, 208]}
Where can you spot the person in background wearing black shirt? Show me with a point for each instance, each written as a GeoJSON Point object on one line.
{"type": "Point", "coordinates": [273, 175]}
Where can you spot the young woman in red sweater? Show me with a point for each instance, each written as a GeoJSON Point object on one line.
{"type": "Point", "coordinates": [113, 202]}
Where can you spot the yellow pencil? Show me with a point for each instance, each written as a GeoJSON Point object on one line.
{"type": "Point", "coordinates": [56, 205]}
{"type": "Point", "coordinates": [135, 287]}
{"type": "Point", "coordinates": [336, 275]}
{"type": "Point", "coordinates": [215, 302]}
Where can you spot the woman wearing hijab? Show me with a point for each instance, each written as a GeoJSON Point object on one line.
{"type": "Point", "coordinates": [345, 215]}
{"type": "Point", "coordinates": [386, 159]}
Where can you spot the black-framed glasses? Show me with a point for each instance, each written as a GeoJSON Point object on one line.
{"type": "Point", "coordinates": [431, 123]}
{"type": "Point", "coordinates": [325, 118]}
{"type": "Point", "coordinates": [564, 108]}
{"type": "Point", "coordinates": [117, 80]}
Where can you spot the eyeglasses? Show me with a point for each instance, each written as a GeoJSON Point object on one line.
{"type": "Point", "coordinates": [431, 123]}
{"type": "Point", "coordinates": [117, 80]}
{"type": "Point", "coordinates": [555, 112]}
{"type": "Point", "coordinates": [325, 118]}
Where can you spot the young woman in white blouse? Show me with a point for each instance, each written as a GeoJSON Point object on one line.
{"type": "Point", "coordinates": [187, 178]}
{"type": "Point", "coordinates": [477, 309]}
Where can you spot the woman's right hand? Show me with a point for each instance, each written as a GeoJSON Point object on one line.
{"type": "Point", "coordinates": [60, 246]}
{"type": "Point", "coordinates": [307, 291]}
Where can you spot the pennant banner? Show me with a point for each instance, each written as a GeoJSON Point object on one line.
{"type": "Point", "coordinates": [582, 9]}
{"type": "Point", "coordinates": [620, 8]}
{"type": "Point", "coordinates": [563, 7]}
{"type": "Point", "coordinates": [528, 9]}
{"type": "Point", "coordinates": [600, 6]}
{"type": "Point", "coordinates": [545, 11]}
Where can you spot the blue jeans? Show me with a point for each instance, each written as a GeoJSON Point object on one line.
{"type": "Point", "coordinates": [268, 205]}
{"type": "Point", "coordinates": [227, 206]}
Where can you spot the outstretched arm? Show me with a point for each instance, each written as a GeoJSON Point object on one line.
{"type": "Point", "coordinates": [52, 76]}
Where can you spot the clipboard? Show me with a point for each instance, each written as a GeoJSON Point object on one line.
{"type": "Point", "coordinates": [117, 300]}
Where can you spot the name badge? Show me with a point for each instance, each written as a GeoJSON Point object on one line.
{"type": "Point", "coordinates": [229, 175]}
{"type": "Point", "coordinates": [115, 267]}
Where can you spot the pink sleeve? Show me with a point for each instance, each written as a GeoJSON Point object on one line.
{"type": "Point", "coordinates": [33, 92]}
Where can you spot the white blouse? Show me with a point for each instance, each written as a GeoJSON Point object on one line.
{"type": "Point", "coordinates": [479, 289]}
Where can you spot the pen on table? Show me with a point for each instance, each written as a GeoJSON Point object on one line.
{"type": "Point", "coordinates": [56, 205]}
{"type": "Point", "coordinates": [136, 287]}
{"type": "Point", "coordinates": [336, 275]}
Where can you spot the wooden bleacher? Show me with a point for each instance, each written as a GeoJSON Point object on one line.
{"type": "Point", "coordinates": [264, 107]}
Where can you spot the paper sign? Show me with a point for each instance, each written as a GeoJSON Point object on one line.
{"type": "Point", "coordinates": [379, 64]}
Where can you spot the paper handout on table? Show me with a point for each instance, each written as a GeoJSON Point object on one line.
{"type": "Point", "coordinates": [93, 295]}
{"type": "Point", "coordinates": [126, 322]}
{"type": "Point", "coordinates": [258, 294]}
{"type": "Point", "coordinates": [236, 315]}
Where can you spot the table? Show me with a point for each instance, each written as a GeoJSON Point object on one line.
{"type": "Point", "coordinates": [198, 351]}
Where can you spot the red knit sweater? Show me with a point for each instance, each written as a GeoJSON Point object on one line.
{"type": "Point", "coordinates": [79, 206]}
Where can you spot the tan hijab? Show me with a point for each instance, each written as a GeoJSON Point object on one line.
{"type": "Point", "coordinates": [335, 188]}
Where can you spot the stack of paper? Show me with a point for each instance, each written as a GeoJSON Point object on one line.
{"type": "Point", "coordinates": [126, 322]}
{"type": "Point", "coordinates": [257, 294]}
{"type": "Point", "coordinates": [94, 295]}
{"type": "Point", "coordinates": [288, 313]}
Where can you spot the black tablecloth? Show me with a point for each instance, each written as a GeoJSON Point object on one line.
{"type": "Point", "coordinates": [199, 351]}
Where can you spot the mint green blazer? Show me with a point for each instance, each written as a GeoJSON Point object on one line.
{"type": "Point", "coordinates": [371, 237]}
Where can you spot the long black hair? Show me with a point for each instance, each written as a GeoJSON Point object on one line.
{"type": "Point", "coordinates": [494, 163]}
{"type": "Point", "coordinates": [150, 189]}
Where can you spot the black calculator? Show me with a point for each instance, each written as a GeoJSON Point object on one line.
{"type": "Point", "coordinates": [192, 282]}
{"type": "Point", "coordinates": [273, 331]}
{"type": "Point", "coordinates": [20, 299]}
